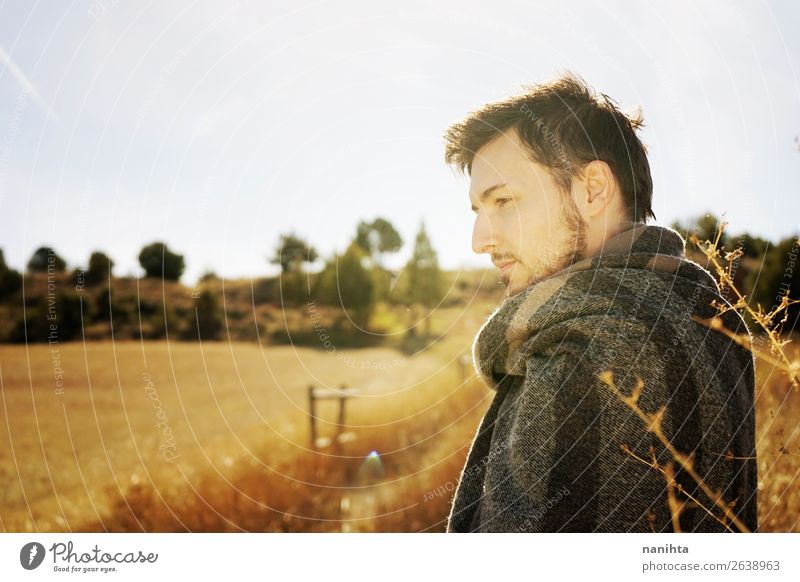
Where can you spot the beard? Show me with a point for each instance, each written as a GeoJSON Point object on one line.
{"type": "Point", "coordinates": [572, 250]}
{"type": "Point", "coordinates": [575, 247]}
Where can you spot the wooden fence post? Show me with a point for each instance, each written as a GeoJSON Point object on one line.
{"type": "Point", "coordinates": [342, 400]}
{"type": "Point", "coordinates": [341, 395]}
{"type": "Point", "coordinates": [312, 410]}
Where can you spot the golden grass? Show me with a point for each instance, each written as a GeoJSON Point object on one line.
{"type": "Point", "coordinates": [90, 460]}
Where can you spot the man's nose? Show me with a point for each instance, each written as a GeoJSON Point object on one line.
{"type": "Point", "coordinates": [484, 235]}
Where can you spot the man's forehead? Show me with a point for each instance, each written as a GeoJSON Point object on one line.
{"type": "Point", "coordinates": [497, 167]}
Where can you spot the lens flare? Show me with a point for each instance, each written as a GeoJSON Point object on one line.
{"type": "Point", "coordinates": [372, 467]}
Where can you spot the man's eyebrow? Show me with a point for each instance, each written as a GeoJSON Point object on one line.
{"type": "Point", "coordinates": [488, 192]}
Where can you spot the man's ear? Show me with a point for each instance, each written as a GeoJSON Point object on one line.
{"type": "Point", "coordinates": [597, 188]}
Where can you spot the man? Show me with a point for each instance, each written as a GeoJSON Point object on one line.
{"type": "Point", "coordinates": [561, 188]}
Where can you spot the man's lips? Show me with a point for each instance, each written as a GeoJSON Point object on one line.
{"type": "Point", "coordinates": [505, 265]}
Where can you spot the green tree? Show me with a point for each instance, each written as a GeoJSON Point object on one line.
{"type": "Point", "coordinates": [208, 318]}
{"type": "Point", "coordinates": [45, 257]}
{"type": "Point", "coordinates": [10, 280]}
{"type": "Point", "coordinates": [377, 238]}
{"type": "Point", "coordinates": [100, 268]}
{"type": "Point", "coordinates": [158, 261]}
{"type": "Point", "coordinates": [346, 282]}
{"type": "Point", "coordinates": [292, 252]}
{"type": "Point", "coordinates": [424, 280]}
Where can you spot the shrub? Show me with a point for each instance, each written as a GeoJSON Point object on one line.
{"type": "Point", "coordinates": [158, 261]}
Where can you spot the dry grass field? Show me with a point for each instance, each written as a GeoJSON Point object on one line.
{"type": "Point", "coordinates": [214, 436]}
{"type": "Point", "coordinates": [184, 436]}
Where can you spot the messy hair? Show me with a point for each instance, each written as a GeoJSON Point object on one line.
{"type": "Point", "coordinates": [564, 124]}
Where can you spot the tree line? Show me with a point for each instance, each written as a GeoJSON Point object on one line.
{"type": "Point", "coordinates": [355, 280]}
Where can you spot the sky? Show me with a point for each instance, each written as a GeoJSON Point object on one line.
{"type": "Point", "coordinates": [216, 127]}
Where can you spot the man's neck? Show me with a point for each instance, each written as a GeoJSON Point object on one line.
{"type": "Point", "coordinates": [598, 235]}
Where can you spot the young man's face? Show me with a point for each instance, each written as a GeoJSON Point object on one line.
{"type": "Point", "coordinates": [528, 226]}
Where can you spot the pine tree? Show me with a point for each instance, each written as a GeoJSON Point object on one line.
{"type": "Point", "coordinates": [424, 282]}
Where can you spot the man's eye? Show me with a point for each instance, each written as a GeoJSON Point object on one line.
{"type": "Point", "coordinates": [502, 201]}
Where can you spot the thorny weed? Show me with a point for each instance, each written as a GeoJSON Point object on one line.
{"type": "Point", "coordinates": [771, 321]}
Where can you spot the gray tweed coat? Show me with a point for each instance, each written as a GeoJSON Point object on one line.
{"type": "Point", "coordinates": [548, 455]}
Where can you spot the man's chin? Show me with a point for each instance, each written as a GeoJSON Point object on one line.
{"type": "Point", "coordinates": [518, 284]}
{"type": "Point", "coordinates": [514, 287]}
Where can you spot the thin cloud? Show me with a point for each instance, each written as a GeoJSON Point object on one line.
{"type": "Point", "coordinates": [27, 85]}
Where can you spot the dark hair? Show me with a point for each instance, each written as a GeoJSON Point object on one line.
{"type": "Point", "coordinates": [565, 125]}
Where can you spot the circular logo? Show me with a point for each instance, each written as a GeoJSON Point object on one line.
{"type": "Point", "coordinates": [31, 555]}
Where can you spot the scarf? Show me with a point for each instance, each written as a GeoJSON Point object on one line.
{"type": "Point", "coordinates": [549, 454]}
